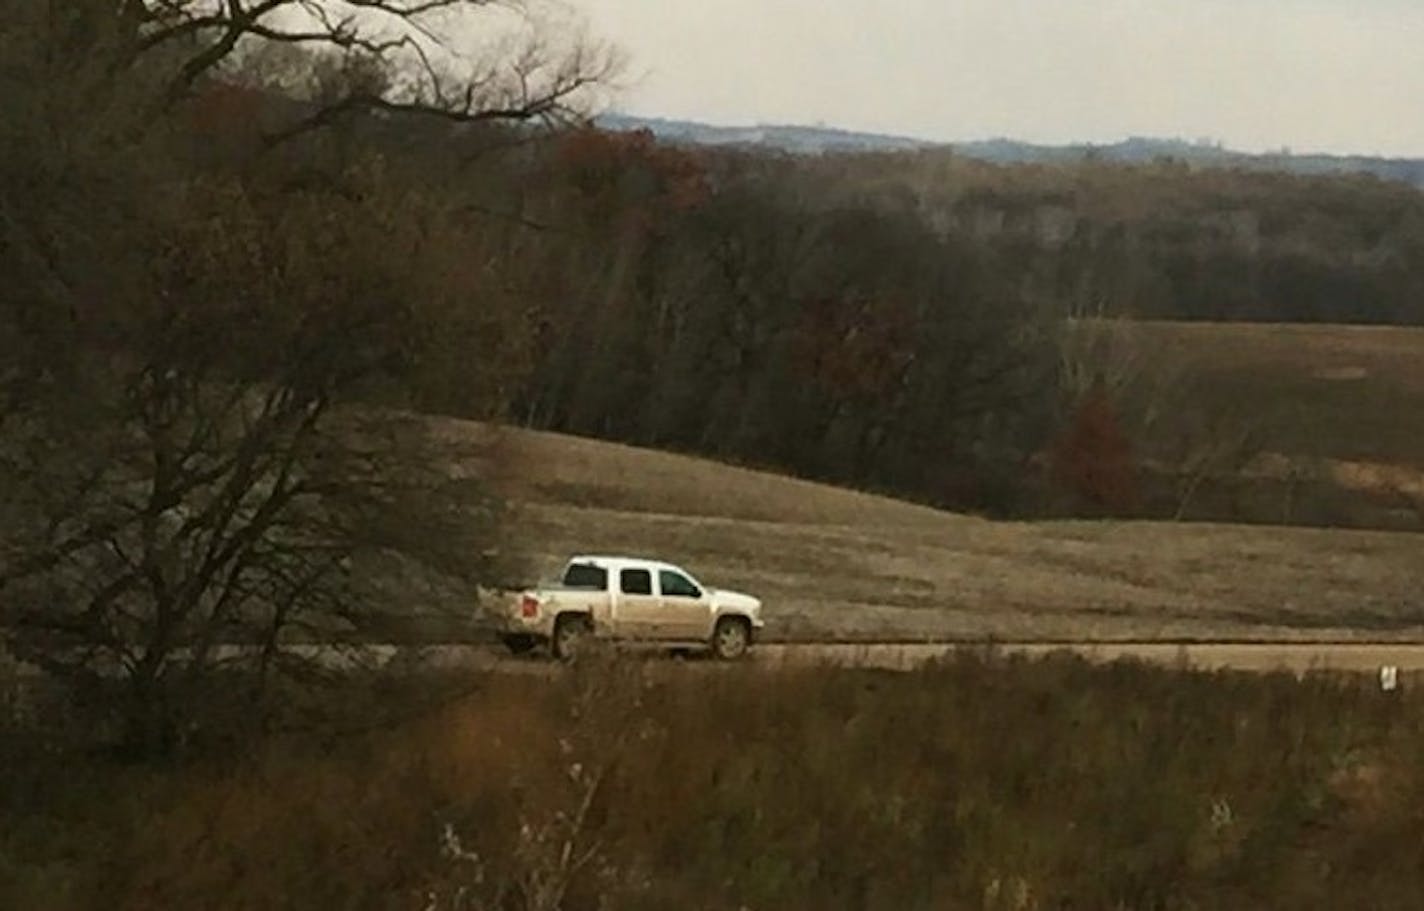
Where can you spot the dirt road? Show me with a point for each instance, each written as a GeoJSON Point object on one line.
{"type": "Point", "coordinates": [1294, 657]}
{"type": "Point", "coordinates": [1256, 656]}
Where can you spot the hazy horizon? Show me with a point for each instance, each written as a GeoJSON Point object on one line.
{"type": "Point", "coordinates": [1328, 76]}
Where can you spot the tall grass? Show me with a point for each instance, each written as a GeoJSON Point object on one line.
{"type": "Point", "coordinates": [982, 783]}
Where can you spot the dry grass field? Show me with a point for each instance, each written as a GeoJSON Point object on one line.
{"type": "Point", "coordinates": [1316, 425]}
{"type": "Point", "coordinates": [836, 564]}
{"type": "Point", "coordinates": [987, 783]}
{"type": "Point", "coordinates": [1350, 393]}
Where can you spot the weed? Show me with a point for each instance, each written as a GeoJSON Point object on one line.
{"type": "Point", "coordinates": [985, 782]}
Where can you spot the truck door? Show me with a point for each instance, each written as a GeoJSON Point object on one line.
{"type": "Point", "coordinates": [594, 580]}
{"type": "Point", "coordinates": [639, 608]}
{"type": "Point", "coordinates": [686, 615]}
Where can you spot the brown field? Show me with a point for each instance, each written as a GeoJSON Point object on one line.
{"type": "Point", "coordinates": [1350, 393]}
{"type": "Point", "coordinates": [1314, 425]}
{"type": "Point", "coordinates": [990, 783]}
{"type": "Point", "coordinates": [835, 563]}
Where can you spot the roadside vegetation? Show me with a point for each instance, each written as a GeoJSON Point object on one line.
{"type": "Point", "coordinates": [984, 783]}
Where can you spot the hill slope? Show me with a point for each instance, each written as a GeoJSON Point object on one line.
{"type": "Point", "coordinates": [1337, 392]}
{"type": "Point", "coordinates": [831, 562]}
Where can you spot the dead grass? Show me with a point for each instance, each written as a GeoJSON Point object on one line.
{"type": "Point", "coordinates": [1346, 393]}
{"type": "Point", "coordinates": [984, 783]}
{"type": "Point", "coordinates": [835, 563]}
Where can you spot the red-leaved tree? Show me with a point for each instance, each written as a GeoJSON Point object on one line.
{"type": "Point", "coordinates": [1092, 459]}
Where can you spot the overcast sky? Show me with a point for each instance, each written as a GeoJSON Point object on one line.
{"type": "Point", "coordinates": [1314, 75]}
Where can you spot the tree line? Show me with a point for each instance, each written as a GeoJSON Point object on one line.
{"type": "Point", "coordinates": [1169, 240]}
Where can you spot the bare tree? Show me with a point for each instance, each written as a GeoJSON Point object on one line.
{"type": "Point", "coordinates": [218, 482]}
{"type": "Point", "coordinates": [194, 475]}
{"type": "Point", "coordinates": [1166, 409]}
{"type": "Point", "coordinates": [1213, 446]}
{"type": "Point", "coordinates": [1099, 350]}
{"type": "Point", "coordinates": [424, 48]}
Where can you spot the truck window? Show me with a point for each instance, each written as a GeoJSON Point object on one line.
{"type": "Point", "coordinates": [676, 585]}
{"type": "Point", "coordinates": [586, 575]}
{"type": "Point", "coordinates": [635, 582]}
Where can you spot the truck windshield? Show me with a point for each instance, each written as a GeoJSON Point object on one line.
{"type": "Point", "coordinates": [586, 575]}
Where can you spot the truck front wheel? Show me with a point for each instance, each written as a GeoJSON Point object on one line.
{"type": "Point", "coordinates": [520, 643]}
{"type": "Point", "coordinates": [731, 638]}
{"type": "Point", "coordinates": [569, 633]}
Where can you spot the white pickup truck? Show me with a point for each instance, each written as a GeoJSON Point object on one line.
{"type": "Point", "coordinates": [631, 600]}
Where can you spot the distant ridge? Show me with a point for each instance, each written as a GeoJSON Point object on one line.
{"type": "Point", "coordinates": [800, 139]}
{"type": "Point", "coordinates": [816, 140]}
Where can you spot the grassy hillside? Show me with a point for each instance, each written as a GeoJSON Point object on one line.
{"type": "Point", "coordinates": [1341, 392]}
{"type": "Point", "coordinates": [1267, 423]}
{"type": "Point", "coordinates": [830, 562]}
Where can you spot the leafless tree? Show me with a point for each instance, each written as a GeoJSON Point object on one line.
{"type": "Point", "coordinates": [1165, 410]}
{"type": "Point", "coordinates": [125, 66]}
{"type": "Point", "coordinates": [218, 483]}
{"type": "Point", "coordinates": [424, 46]}
{"type": "Point", "coordinates": [196, 467]}
{"type": "Point", "coordinates": [1213, 446]}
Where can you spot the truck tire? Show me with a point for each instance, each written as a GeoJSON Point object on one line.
{"type": "Point", "coordinates": [520, 643]}
{"type": "Point", "coordinates": [731, 638]}
{"type": "Point", "coordinates": [569, 632]}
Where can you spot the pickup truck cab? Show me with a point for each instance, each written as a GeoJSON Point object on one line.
{"type": "Point", "coordinates": [631, 600]}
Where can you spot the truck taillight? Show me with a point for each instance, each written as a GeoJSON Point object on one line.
{"type": "Point", "coordinates": [529, 606]}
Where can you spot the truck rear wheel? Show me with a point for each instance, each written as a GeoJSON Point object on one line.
{"type": "Point", "coordinates": [731, 638]}
{"type": "Point", "coordinates": [569, 634]}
